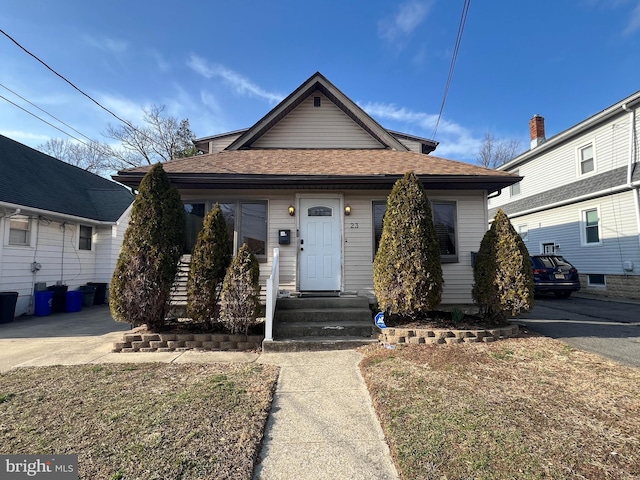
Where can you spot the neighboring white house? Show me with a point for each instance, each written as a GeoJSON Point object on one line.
{"type": "Point", "coordinates": [580, 197]}
{"type": "Point", "coordinates": [312, 178]}
{"type": "Point", "coordinates": [58, 223]}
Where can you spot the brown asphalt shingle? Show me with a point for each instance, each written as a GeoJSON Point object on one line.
{"type": "Point", "coordinates": [321, 162]}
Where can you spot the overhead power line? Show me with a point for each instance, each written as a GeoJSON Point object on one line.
{"type": "Point", "coordinates": [42, 110]}
{"type": "Point", "coordinates": [70, 83]}
{"type": "Point", "coordinates": [42, 119]}
{"type": "Point", "coordinates": [463, 20]}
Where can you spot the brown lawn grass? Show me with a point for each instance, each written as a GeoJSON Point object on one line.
{"type": "Point", "coordinates": [523, 408]}
{"type": "Point", "coordinates": [140, 421]}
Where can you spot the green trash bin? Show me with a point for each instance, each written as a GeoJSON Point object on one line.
{"type": "Point", "coordinates": [88, 295]}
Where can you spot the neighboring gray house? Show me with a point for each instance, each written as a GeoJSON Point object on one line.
{"type": "Point", "coordinates": [312, 178]}
{"type": "Point", "coordinates": [580, 197]}
{"type": "Point", "coordinates": [58, 223]}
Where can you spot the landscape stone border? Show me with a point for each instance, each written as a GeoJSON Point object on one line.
{"type": "Point", "coordinates": [416, 336]}
{"type": "Point", "coordinates": [179, 342]}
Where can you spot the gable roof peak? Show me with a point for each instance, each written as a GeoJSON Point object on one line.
{"type": "Point", "coordinates": [315, 82]}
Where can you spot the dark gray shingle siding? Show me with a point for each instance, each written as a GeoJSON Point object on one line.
{"type": "Point", "coordinates": [595, 183]}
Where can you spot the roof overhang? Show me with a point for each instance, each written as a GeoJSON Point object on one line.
{"type": "Point", "coordinates": [186, 181]}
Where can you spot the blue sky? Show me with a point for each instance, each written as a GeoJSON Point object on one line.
{"type": "Point", "coordinates": [223, 65]}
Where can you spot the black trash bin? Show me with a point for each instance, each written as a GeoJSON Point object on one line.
{"type": "Point", "coordinates": [59, 303]}
{"type": "Point", "coordinates": [8, 302]}
{"type": "Point", "coordinates": [88, 295]}
{"type": "Point", "coordinates": [101, 292]}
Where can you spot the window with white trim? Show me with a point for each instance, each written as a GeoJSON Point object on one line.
{"type": "Point", "coordinates": [19, 230]}
{"type": "Point", "coordinates": [591, 234]}
{"type": "Point", "coordinates": [515, 188]}
{"type": "Point", "coordinates": [523, 230]}
{"type": "Point", "coordinates": [586, 159]}
{"type": "Point", "coordinates": [84, 237]}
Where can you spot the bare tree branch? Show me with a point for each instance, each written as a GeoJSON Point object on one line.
{"type": "Point", "coordinates": [495, 152]}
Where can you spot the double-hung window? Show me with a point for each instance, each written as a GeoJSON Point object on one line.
{"type": "Point", "coordinates": [586, 159]}
{"type": "Point", "coordinates": [19, 230]}
{"type": "Point", "coordinates": [591, 227]}
{"type": "Point", "coordinates": [84, 237]}
{"type": "Point", "coordinates": [515, 188]}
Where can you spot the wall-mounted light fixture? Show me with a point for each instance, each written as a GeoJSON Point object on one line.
{"type": "Point", "coordinates": [292, 210]}
{"type": "Point", "coordinates": [347, 210]}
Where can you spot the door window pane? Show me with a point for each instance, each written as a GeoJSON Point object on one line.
{"type": "Point", "coordinates": [319, 212]}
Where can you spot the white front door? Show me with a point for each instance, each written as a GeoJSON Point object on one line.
{"type": "Point", "coordinates": [320, 247]}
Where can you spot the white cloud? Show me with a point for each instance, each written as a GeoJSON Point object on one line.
{"type": "Point", "coordinates": [124, 108]}
{"type": "Point", "coordinates": [634, 21]}
{"type": "Point", "coordinates": [25, 137]}
{"type": "Point", "coordinates": [409, 16]}
{"type": "Point", "coordinates": [161, 62]}
{"type": "Point", "coordinates": [240, 84]}
{"type": "Point", "coordinates": [107, 44]}
{"type": "Point", "coordinates": [456, 141]}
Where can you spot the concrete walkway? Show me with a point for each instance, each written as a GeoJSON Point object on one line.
{"type": "Point", "coordinates": [322, 424]}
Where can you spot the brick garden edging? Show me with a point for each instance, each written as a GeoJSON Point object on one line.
{"type": "Point", "coordinates": [179, 342]}
{"type": "Point", "coordinates": [406, 336]}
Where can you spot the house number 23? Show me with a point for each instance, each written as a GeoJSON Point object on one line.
{"type": "Point", "coordinates": [354, 225]}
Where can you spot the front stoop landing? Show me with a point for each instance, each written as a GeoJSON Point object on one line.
{"type": "Point", "coordinates": [321, 323]}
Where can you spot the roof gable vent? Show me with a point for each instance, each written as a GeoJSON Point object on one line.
{"type": "Point", "coordinates": [316, 101]}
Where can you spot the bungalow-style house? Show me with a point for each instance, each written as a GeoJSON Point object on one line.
{"type": "Point", "coordinates": [580, 197]}
{"type": "Point", "coordinates": [311, 179]}
{"type": "Point", "coordinates": [59, 224]}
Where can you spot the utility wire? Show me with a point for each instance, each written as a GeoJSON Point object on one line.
{"type": "Point", "coordinates": [70, 83]}
{"type": "Point", "coordinates": [463, 20]}
{"type": "Point", "coordinates": [42, 110]}
{"type": "Point", "coordinates": [42, 120]}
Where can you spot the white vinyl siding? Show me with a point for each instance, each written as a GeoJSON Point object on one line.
{"type": "Point", "coordinates": [559, 166]}
{"type": "Point", "coordinates": [317, 127]}
{"type": "Point", "coordinates": [220, 143]}
{"type": "Point", "coordinates": [358, 228]}
{"type": "Point", "coordinates": [412, 145]}
{"type": "Point", "coordinates": [562, 226]}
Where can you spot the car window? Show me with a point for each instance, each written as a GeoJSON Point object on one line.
{"type": "Point", "coordinates": [561, 262]}
{"type": "Point", "coordinates": [543, 262]}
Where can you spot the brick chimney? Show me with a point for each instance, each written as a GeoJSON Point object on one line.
{"type": "Point", "coordinates": [536, 130]}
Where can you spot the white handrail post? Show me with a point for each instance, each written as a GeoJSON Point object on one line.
{"type": "Point", "coordinates": [273, 284]}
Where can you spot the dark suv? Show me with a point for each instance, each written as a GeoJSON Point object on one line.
{"type": "Point", "coordinates": [553, 274]}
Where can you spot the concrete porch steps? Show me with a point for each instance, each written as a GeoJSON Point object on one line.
{"type": "Point", "coordinates": [321, 323]}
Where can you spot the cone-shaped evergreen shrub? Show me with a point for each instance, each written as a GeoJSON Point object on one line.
{"type": "Point", "coordinates": [241, 292]}
{"type": "Point", "coordinates": [503, 278]}
{"type": "Point", "coordinates": [407, 273]}
{"type": "Point", "coordinates": [209, 262]}
{"type": "Point", "coordinates": [142, 280]}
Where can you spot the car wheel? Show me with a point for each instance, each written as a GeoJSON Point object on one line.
{"type": "Point", "coordinates": [562, 294]}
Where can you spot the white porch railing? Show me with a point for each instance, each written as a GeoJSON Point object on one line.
{"type": "Point", "coordinates": [273, 284]}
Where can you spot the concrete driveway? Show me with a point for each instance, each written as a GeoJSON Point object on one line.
{"type": "Point", "coordinates": [85, 337]}
{"type": "Point", "coordinates": [608, 328]}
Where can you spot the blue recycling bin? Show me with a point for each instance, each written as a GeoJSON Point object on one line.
{"type": "Point", "coordinates": [43, 303]}
{"type": "Point", "coordinates": [74, 301]}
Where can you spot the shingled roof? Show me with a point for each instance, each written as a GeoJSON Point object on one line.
{"type": "Point", "coordinates": [313, 168]}
{"type": "Point", "coordinates": [30, 178]}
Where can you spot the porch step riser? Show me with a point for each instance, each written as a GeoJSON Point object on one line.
{"type": "Point", "coordinates": [302, 330]}
{"type": "Point", "coordinates": [318, 303]}
{"type": "Point", "coordinates": [314, 345]}
{"type": "Point", "coordinates": [323, 315]}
